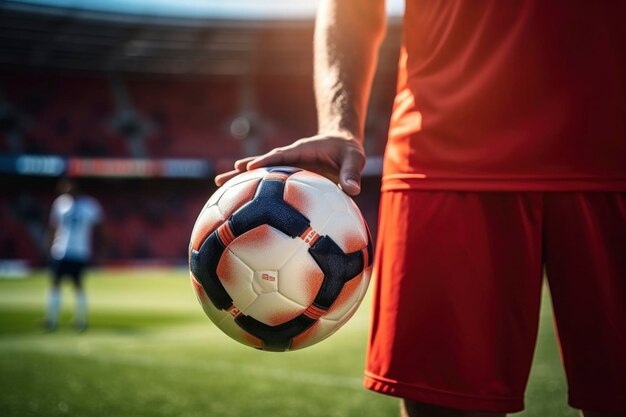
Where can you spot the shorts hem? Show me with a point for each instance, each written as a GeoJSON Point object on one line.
{"type": "Point", "coordinates": [441, 398]}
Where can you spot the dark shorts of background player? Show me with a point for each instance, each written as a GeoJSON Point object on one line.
{"type": "Point", "coordinates": [68, 268]}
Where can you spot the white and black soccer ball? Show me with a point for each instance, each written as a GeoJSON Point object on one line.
{"type": "Point", "coordinates": [280, 258]}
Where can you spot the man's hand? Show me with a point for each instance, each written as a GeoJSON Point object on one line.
{"type": "Point", "coordinates": [338, 157]}
{"type": "Point", "coordinates": [347, 36]}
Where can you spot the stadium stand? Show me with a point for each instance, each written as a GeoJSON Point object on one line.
{"type": "Point", "coordinates": [108, 86]}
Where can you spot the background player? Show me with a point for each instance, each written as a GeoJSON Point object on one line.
{"type": "Point", "coordinates": [76, 225]}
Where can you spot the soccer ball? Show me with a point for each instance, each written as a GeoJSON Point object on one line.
{"type": "Point", "coordinates": [280, 258]}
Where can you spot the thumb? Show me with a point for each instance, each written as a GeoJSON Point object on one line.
{"type": "Point", "coordinates": [350, 173]}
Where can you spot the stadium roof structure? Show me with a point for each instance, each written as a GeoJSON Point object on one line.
{"type": "Point", "coordinates": [212, 37]}
{"type": "Point", "coordinates": [196, 9]}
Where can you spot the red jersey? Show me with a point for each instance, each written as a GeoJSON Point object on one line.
{"type": "Point", "coordinates": [510, 95]}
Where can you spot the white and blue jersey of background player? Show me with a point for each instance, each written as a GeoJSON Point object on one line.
{"type": "Point", "coordinates": [73, 219]}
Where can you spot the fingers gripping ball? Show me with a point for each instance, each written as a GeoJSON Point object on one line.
{"type": "Point", "coordinates": [280, 258]}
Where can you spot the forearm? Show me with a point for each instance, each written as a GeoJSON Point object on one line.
{"type": "Point", "coordinates": [347, 36]}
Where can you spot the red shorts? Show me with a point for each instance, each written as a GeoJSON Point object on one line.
{"type": "Point", "coordinates": [458, 287]}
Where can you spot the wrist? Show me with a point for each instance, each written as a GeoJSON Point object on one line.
{"type": "Point", "coordinates": [341, 133]}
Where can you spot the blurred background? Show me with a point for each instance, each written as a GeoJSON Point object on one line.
{"type": "Point", "coordinates": [144, 102]}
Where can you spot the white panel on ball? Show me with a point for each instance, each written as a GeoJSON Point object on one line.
{"type": "Point", "coordinates": [265, 281]}
{"type": "Point", "coordinates": [213, 212]}
{"type": "Point", "coordinates": [336, 199]}
{"type": "Point", "coordinates": [322, 184]}
{"type": "Point", "coordinates": [231, 199]}
{"type": "Point", "coordinates": [359, 221]}
{"type": "Point", "coordinates": [264, 248]}
{"type": "Point", "coordinates": [236, 277]}
{"type": "Point", "coordinates": [345, 231]}
{"type": "Point", "coordinates": [300, 278]}
{"type": "Point", "coordinates": [308, 200]}
{"type": "Point", "coordinates": [234, 183]}
{"type": "Point", "coordinates": [273, 309]}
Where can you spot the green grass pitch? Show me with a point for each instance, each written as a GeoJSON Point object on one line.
{"type": "Point", "coordinates": [150, 351]}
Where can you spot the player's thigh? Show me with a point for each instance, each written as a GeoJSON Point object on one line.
{"type": "Point", "coordinates": [77, 274]}
{"type": "Point", "coordinates": [456, 297]}
{"type": "Point", "coordinates": [586, 267]}
{"type": "Point", "coordinates": [58, 269]}
{"type": "Point", "coordinates": [71, 270]}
